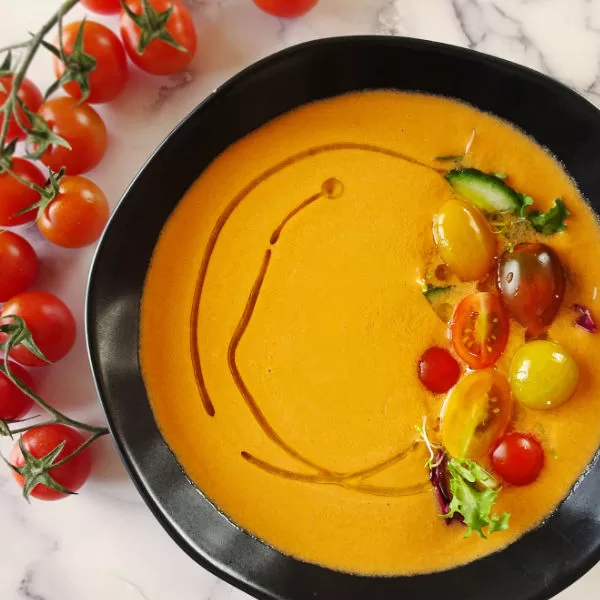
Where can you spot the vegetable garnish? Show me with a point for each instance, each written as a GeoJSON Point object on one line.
{"type": "Point", "coordinates": [552, 221]}
{"type": "Point", "coordinates": [490, 193]}
{"type": "Point", "coordinates": [465, 491]}
{"type": "Point", "coordinates": [437, 464]}
{"type": "Point", "coordinates": [474, 492]}
{"type": "Point", "coordinates": [438, 475]}
{"type": "Point", "coordinates": [428, 292]}
{"type": "Point", "coordinates": [450, 158]}
{"type": "Point", "coordinates": [585, 320]}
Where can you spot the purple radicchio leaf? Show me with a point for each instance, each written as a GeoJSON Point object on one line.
{"type": "Point", "coordinates": [585, 320]}
{"type": "Point", "coordinates": [438, 476]}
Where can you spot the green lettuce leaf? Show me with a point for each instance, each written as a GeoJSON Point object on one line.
{"type": "Point", "coordinates": [474, 492]}
{"type": "Point", "coordinates": [552, 221]}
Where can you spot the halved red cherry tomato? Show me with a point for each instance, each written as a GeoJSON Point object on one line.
{"type": "Point", "coordinates": [438, 370]}
{"type": "Point", "coordinates": [30, 96]}
{"type": "Point", "coordinates": [475, 414]}
{"type": "Point", "coordinates": [480, 329]}
{"type": "Point", "coordinates": [51, 324]}
{"type": "Point", "coordinates": [39, 442]}
{"type": "Point", "coordinates": [103, 7]}
{"type": "Point", "coordinates": [108, 79]}
{"type": "Point", "coordinates": [16, 196]}
{"type": "Point", "coordinates": [160, 58]}
{"type": "Point", "coordinates": [518, 458]}
{"type": "Point", "coordinates": [532, 283]}
{"type": "Point", "coordinates": [82, 127]}
{"type": "Point", "coordinates": [286, 8]}
{"type": "Point", "coordinates": [18, 265]}
{"type": "Point", "coordinates": [14, 404]}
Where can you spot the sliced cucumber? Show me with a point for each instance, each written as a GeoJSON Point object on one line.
{"type": "Point", "coordinates": [487, 192]}
{"type": "Point", "coordinates": [440, 299]}
{"type": "Point", "coordinates": [435, 294]}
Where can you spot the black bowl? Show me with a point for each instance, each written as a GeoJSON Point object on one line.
{"type": "Point", "coordinates": [535, 567]}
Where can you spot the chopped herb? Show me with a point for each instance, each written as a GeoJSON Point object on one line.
{"type": "Point", "coordinates": [525, 201]}
{"type": "Point", "coordinates": [474, 492]}
{"type": "Point", "coordinates": [585, 320]}
{"type": "Point", "coordinates": [433, 290]}
{"type": "Point", "coordinates": [552, 221]}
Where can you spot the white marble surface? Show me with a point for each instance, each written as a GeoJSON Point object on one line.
{"type": "Point", "coordinates": [105, 543]}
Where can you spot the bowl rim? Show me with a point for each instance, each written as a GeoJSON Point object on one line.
{"type": "Point", "coordinates": [220, 570]}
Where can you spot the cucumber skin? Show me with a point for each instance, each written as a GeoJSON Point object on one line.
{"type": "Point", "coordinates": [461, 181]}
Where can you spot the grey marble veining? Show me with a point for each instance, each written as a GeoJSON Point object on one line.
{"type": "Point", "coordinates": [105, 543]}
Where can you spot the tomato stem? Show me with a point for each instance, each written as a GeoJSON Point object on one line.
{"type": "Point", "coordinates": [83, 446]}
{"type": "Point", "coordinates": [32, 45]}
{"type": "Point", "coordinates": [18, 333]}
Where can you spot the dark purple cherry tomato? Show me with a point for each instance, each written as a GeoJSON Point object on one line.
{"type": "Point", "coordinates": [532, 283]}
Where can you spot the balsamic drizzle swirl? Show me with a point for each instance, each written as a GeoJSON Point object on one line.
{"type": "Point", "coordinates": [331, 188]}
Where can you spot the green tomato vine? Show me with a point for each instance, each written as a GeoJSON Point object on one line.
{"type": "Point", "coordinates": [39, 137]}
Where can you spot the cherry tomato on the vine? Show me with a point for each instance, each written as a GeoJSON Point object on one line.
{"type": "Point", "coordinates": [30, 96]}
{"type": "Point", "coordinates": [438, 370]}
{"type": "Point", "coordinates": [77, 216]}
{"type": "Point", "coordinates": [480, 329]}
{"type": "Point", "coordinates": [82, 127]}
{"type": "Point", "coordinates": [103, 7]}
{"type": "Point", "coordinates": [108, 79]}
{"type": "Point", "coordinates": [518, 458]}
{"type": "Point", "coordinates": [160, 58]}
{"type": "Point", "coordinates": [15, 196]}
{"type": "Point", "coordinates": [286, 8]}
{"type": "Point", "coordinates": [39, 442]}
{"type": "Point", "coordinates": [18, 265]}
{"type": "Point", "coordinates": [14, 404]}
{"type": "Point", "coordinates": [51, 324]}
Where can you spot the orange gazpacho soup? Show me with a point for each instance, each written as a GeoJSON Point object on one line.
{"type": "Point", "coordinates": [373, 311]}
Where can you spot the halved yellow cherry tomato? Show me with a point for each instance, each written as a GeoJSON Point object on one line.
{"type": "Point", "coordinates": [543, 375]}
{"type": "Point", "coordinates": [464, 240]}
{"type": "Point", "coordinates": [475, 414]}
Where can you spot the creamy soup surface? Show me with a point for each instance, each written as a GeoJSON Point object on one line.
{"type": "Point", "coordinates": [282, 324]}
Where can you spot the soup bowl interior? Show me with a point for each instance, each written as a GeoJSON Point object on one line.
{"type": "Point", "coordinates": [539, 564]}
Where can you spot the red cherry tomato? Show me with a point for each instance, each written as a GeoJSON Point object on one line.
{"type": "Point", "coordinates": [18, 265]}
{"type": "Point", "coordinates": [39, 442]}
{"type": "Point", "coordinates": [32, 98]}
{"type": "Point", "coordinates": [438, 370]}
{"type": "Point", "coordinates": [103, 7]}
{"type": "Point", "coordinates": [108, 79]}
{"type": "Point", "coordinates": [77, 216]}
{"type": "Point", "coordinates": [286, 8]}
{"type": "Point", "coordinates": [15, 196]}
{"type": "Point", "coordinates": [160, 58]}
{"type": "Point", "coordinates": [14, 404]}
{"type": "Point", "coordinates": [81, 126]}
{"type": "Point", "coordinates": [532, 283]}
{"type": "Point", "coordinates": [480, 329]}
{"type": "Point", "coordinates": [51, 324]}
{"type": "Point", "coordinates": [518, 458]}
